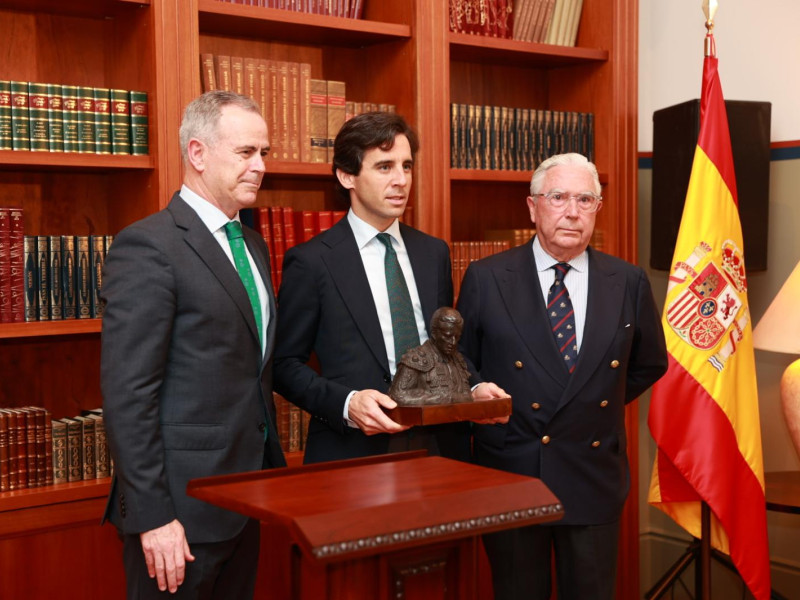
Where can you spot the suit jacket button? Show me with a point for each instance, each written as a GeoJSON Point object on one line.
{"type": "Point", "coordinates": [536, 406]}
{"type": "Point", "coordinates": [262, 427]}
{"type": "Point", "coordinates": [595, 443]}
{"type": "Point", "coordinates": [518, 364]}
{"type": "Point", "coordinates": [546, 439]}
{"type": "Point", "coordinates": [387, 378]}
{"type": "Point", "coordinates": [614, 363]}
{"type": "Point", "coordinates": [604, 403]}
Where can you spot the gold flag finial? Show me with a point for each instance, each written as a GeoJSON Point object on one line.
{"type": "Point", "coordinates": [710, 9]}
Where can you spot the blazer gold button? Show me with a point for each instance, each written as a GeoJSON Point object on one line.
{"type": "Point", "coordinates": [604, 403]}
{"type": "Point", "coordinates": [546, 439]}
{"type": "Point", "coordinates": [614, 363]}
{"type": "Point", "coordinates": [595, 443]}
{"type": "Point", "coordinates": [518, 364]}
{"type": "Point", "coordinates": [536, 406]}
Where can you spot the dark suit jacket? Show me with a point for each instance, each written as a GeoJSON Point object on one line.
{"type": "Point", "coordinates": [326, 307]}
{"type": "Point", "coordinates": [186, 392]}
{"type": "Point", "coordinates": [568, 430]}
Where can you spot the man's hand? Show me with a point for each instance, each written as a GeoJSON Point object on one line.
{"type": "Point", "coordinates": [489, 391]}
{"type": "Point", "coordinates": [165, 553]}
{"type": "Point", "coordinates": [365, 411]}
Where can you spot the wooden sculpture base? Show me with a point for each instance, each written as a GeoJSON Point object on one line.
{"type": "Point", "coordinates": [432, 414]}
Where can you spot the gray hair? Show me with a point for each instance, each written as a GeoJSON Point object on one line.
{"type": "Point", "coordinates": [557, 160]}
{"type": "Point", "coordinates": [201, 117]}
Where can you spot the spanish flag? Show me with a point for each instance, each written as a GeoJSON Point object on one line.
{"type": "Point", "coordinates": [704, 411]}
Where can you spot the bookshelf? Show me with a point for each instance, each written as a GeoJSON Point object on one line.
{"type": "Point", "coordinates": [400, 53]}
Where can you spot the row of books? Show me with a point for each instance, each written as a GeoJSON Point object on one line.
{"type": "Point", "coordinates": [548, 21]}
{"type": "Point", "coordinates": [348, 9]}
{"type": "Point", "coordinates": [50, 117]}
{"type": "Point", "coordinates": [63, 276]}
{"type": "Point", "coordinates": [303, 114]}
{"type": "Point", "coordinates": [517, 139]}
{"type": "Point", "coordinates": [36, 450]}
{"type": "Point", "coordinates": [494, 18]}
{"type": "Point", "coordinates": [464, 253]}
{"type": "Point", "coordinates": [282, 227]}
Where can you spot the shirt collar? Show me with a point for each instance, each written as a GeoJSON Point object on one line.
{"type": "Point", "coordinates": [213, 217]}
{"type": "Point", "coordinates": [365, 233]}
{"type": "Point", "coordinates": [544, 261]}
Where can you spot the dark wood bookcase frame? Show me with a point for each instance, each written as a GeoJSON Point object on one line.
{"type": "Point", "coordinates": [400, 53]}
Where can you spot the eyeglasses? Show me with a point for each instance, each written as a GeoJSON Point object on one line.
{"type": "Point", "coordinates": [586, 202]}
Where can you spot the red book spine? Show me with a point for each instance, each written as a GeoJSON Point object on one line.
{"type": "Point", "coordinates": [5, 265]}
{"type": "Point", "coordinates": [288, 228]}
{"type": "Point", "coordinates": [266, 232]}
{"type": "Point", "coordinates": [17, 266]}
{"type": "Point", "coordinates": [276, 212]}
{"type": "Point", "coordinates": [325, 218]}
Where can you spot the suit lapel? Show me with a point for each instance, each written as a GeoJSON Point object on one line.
{"type": "Point", "coordinates": [605, 299]}
{"type": "Point", "coordinates": [518, 283]}
{"type": "Point", "coordinates": [343, 261]}
{"type": "Point", "coordinates": [207, 248]}
{"type": "Point", "coordinates": [425, 273]}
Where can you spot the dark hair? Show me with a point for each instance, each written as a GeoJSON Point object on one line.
{"type": "Point", "coordinates": [364, 132]}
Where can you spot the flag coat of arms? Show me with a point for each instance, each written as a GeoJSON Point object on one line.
{"type": "Point", "coordinates": [704, 411]}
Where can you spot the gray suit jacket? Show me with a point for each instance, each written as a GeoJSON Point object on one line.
{"type": "Point", "coordinates": [186, 391]}
{"type": "Point", "coordinates": [568, 430]}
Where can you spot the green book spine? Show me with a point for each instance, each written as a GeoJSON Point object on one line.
{"type": "Point", "coordinates": [88, 460]}
{"type": "Point", "coordinates": [42, 273]}
{"type": "Point", "coordinates": [59, 436]}
{"type": "Point", "coordinates": [74, 450]}
{"type": "Point", "coordinates": [5, 114]}
{"type": "Point", "coordinates": [37, 116]}
{"type": "Point", "coordinates": [97, 254]}
{"type": "Point", "coordinates": [20, 124]}
{"type": "Point", "coordinates": [54, 278]}
{"type": "Point", "coordinates": [31, 280]}
{"type": "Point", "coordinates": [68, 276]}
{"type": "Point", "coordinates": [86, 119]}
{"type": "Point", "coordinates": [102, 120]}
{"type": "Point", "coordinates": [139, 134]}
{"type": "Point", "coordinates": [55, 118]}
{"type": "Point", "coordinates": [69, 95]}
{"type": "Point", "coordinates": [83, 277]}
{"type": "Point", "coordinates": [120, 122]}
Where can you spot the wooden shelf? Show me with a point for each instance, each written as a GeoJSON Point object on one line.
{"type": "Point", "coordinates": [50, 328]}
{"type": "Point", "coordinates": [499, 176]}
{"type": "Point", "coordinates": [54, 494]}
{"type": "Point", "coordinates": [296, 27]}
{"type": "Point", "coordinates": [474, 48]}
{"type": "Point", "coordinates": [91, 8]}
{"type": "Point", "coordinates": [291, 170]}
{"type": "Point", "coordinates": [71, 161]}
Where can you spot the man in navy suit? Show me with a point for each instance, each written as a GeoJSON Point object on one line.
{"type": "Point", "coordinates": [186, 369]}
{"type": "Point", "coordinates": [569, 378]}
{"type": "Point", "coordinates": [334, 303]}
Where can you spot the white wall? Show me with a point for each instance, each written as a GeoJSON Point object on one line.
{"type": "Point", "coordinates": [758, 46]}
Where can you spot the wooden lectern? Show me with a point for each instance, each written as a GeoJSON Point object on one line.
{"type": "Point", "coordinates": [399, 526]}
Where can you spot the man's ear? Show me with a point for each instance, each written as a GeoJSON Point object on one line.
{"type": "Point", "coordinates": [532, 208]}
{"type": "Point", "coordinates": [196, 153]}
{"type": "Point", "coordinates": [346, 179]}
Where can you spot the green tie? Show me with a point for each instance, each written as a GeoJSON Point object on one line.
{"type": "Point", "coordinates": [233, 229]}
{"type": "Point", "coordinates": [404, 325]}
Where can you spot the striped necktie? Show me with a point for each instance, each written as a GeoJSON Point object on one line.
{"type": "Point", "coordinates": [562, 317]}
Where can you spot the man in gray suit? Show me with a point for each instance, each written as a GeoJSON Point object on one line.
{"type": "Point", "coordinates": [186, 368]}
{"type": "Point", "coordinates": [573, 335]}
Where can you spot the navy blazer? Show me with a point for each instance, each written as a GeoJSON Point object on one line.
{"type": "Point", "coordinates": [326, 308]}
{"type": "Point", "coordinates": [186, 390]}
{"type": "Point", "coordinates": [568, 430]}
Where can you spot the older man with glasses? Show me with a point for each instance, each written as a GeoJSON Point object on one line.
{"type": "Point", "coordinates": [572, 335]}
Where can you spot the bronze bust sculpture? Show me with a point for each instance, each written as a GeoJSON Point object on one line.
{"type": "Point", "coordinates": [434, 372]}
